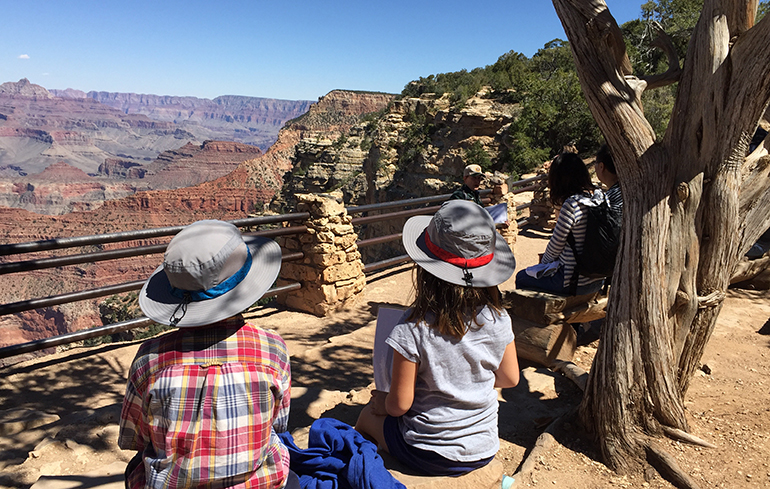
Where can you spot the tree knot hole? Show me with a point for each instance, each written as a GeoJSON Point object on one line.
{"type": "Point", "coordinates": [683, 192]}
{"type": "Point", "coordinates": [681, 300]}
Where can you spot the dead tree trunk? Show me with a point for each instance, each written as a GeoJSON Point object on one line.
{"type": "Point", "coordinates": [693, 204]}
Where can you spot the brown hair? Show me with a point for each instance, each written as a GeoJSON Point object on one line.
{"type": "Point", "coordinates": [453, 306]}
{"type": "Point", "coordinates": [568, 176]}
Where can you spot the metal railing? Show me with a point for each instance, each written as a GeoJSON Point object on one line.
{"type": "Point", "coordinates": [410, 207]}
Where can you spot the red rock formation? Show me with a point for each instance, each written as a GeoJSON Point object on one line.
{"type": "Point", "coordinates": [248, 188]}
{"type": "Point", "coordinates": [63, 173]}
{"type": "Point", "coordinates": [121, 169]}
{"type": "Point", "coordinates": [193, 163]}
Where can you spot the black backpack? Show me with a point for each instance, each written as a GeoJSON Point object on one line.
{"type": "Point", "coordinates": [601, 243]}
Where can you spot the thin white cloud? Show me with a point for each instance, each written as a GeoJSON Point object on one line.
{"type": "Point", "coordinates": [24, 56]}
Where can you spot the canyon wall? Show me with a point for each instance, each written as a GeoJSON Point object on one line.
{"type": "Point", "coordinates": [250, 120]}
{"type": "Point", "coordinates": [39, 127]}
{"type": "Point", "coordinates": [244, 191]}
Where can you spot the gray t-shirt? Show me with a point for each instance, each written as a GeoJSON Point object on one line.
{"type": "Point", "coordinates": [455, 404]}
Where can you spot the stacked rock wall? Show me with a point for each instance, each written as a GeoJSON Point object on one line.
{"type": "Point", "coordinates": [331, 273]}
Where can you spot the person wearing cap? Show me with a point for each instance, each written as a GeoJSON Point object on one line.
{"type": "Point", "coordinates": [472, 176]}
{"type": "Point", "coordinates": [451, 348]}
{"type": "Point", "coordinates": [204, 403]}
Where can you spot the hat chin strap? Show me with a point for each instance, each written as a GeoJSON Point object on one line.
{"type": "Point", "coordinates": [219, 289]}
{"type": "Point", "coordinates": [467, 277]}
{"type": "Point", "coordinates": [173, 320]}
{"type": "Point", "coordinates": [459, 261]}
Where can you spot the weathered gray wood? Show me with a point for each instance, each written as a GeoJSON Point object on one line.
{"type": "Point", "coordinates": [573, 373]}
{"type": "Point", "coordinates": [544, 307]}
{"type": "Point", "coordinates": [544, 344]}
{"type": "Point", "coordinates": [748, 269]}
{"type": "Point", "coordinates": [694, 203]}
{"type": "Point", "coordinates": [581, 313]}
{"type": "Point", "coordinates": [679, 435]}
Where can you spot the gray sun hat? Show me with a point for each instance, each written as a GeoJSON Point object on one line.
{"type": "Point", "coordinates": [209, 273]}
{"type": "Point", "coordinates": [459, 245]}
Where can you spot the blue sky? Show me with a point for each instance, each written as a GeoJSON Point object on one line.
{"type": "Point", "coordinates": [296, 50]}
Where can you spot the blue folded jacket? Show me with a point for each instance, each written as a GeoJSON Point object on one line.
{"type": "Point", "coordinates": [338, 457]}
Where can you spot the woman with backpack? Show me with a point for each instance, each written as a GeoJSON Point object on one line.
{"type": "Point", "coordinates": [571, 189]}
{"type": "Point", "coordinates": [450, 349]}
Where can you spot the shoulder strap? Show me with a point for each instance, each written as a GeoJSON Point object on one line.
{"type": "Point", "coordinates": [573, 281]}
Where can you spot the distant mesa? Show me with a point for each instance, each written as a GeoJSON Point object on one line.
{"type": "Point", "coordinates": [249, 120]}
{"type": "Point", "coordinates": [121, 169]}
{"type": "Point", "coordinates": [61, 172]}
{"type": "Point", "coordinates": [24, 88]}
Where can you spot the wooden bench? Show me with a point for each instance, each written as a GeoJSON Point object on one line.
{"type": "Point", "coordinates": [542, 322]}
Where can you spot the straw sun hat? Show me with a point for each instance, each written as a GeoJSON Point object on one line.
{"type": "Point", "coordinates": [209, 272]}
{"type": "Point", "coordinates": [459, 245]}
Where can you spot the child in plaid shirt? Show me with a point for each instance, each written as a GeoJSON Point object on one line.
{"type": "Point", "coordinates": [204, 403]}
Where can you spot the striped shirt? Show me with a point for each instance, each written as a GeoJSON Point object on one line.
{"type": "Point", "coordinates": [571, 218]}
{"type": "Point", "coordinates": [615, 197]}
{"type": "Point", "coordinates": [203, 406]}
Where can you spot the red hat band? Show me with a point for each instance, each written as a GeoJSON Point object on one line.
{"type": "Point", "coordinates": [453, 259]}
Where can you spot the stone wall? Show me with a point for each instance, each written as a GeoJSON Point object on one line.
{"type": "Point", "coordinates": [499, 195]}
{"type": "Point", "coordinates": [331, 273]}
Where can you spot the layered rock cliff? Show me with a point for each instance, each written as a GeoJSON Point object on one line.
{"type": "Point", "coordinates": [39, 127]}
{"type": "Point", "coordinates": [250, 120]}
{"type": "Point", "coordinates": [249, 188]}
{"type": "Point", "coordinates": [418, 147]}
{"type": "Point", "coordinates": [61, 188]}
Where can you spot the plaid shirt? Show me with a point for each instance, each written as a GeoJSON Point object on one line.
{"type": "Point", "coordinates": [203, 406]}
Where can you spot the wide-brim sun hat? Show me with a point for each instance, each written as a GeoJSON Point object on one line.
{"type": "Point", "coordinates": [209, 273]}
{"type": "Point", "coordinates": [459, 244]}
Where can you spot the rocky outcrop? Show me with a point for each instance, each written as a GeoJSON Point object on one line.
{"type": "Point", "coordinates": [121, 169]}
{"type": "Point", "coordinates": [196, 163]}
{"type": "Point", "coordinates": [326, 125]}
{"type": "Point", "coordinates": [24, 88]}
{"type": "Point", "coordinates": [417, 148]}
{"type": "Point", "coordinates": [339, 110]}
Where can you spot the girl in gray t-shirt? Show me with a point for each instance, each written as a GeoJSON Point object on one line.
{"type": "Point", "coordinates": [450, 349]}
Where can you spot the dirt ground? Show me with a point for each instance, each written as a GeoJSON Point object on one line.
{"type": "Point", "coordinates": [59, 413]}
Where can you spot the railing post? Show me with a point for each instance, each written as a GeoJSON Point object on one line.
{"type": "Point", "coordinates": [332, 272]}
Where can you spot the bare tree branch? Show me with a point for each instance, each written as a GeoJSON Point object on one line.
{"type": "Point", "coordinates": [741, 15]}
{"type": "Point", "coordinates": [596, 43]}
{"type": "Point", "coordinates": [674, 71]}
